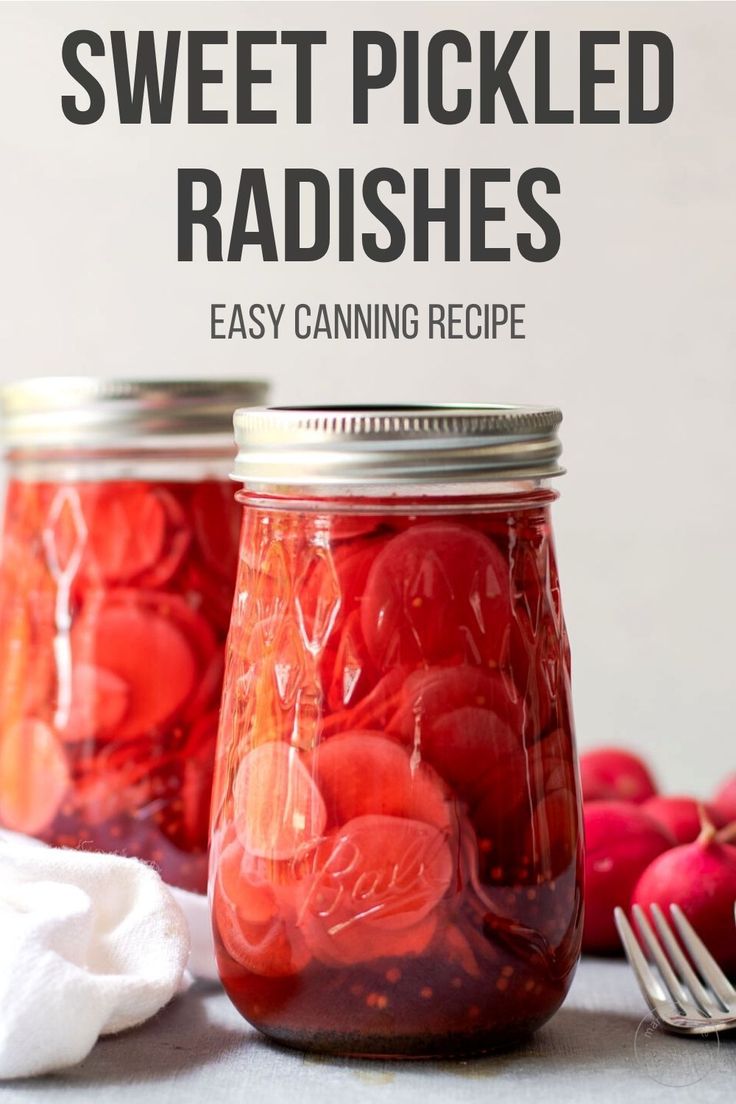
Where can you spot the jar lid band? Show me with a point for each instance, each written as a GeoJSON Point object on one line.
{"type": "Point", "coordinates": [67, 412]}
{"type": "Point", "coordinates": [281, 447]}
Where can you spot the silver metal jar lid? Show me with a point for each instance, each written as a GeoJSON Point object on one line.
{"type": "Point", "coordinates": [302, 446]}
{"type": "Point", "coordinates": [50, 412]}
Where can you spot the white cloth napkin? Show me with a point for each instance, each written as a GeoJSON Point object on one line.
{"type": "Point", "coordinates": [90, 944]}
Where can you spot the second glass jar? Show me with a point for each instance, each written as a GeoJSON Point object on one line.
{"type": "Point", "coordinates": [119, 555]}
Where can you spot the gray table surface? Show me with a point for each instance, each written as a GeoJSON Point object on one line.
{"type": "Point", "coordinates": [600, 1046]}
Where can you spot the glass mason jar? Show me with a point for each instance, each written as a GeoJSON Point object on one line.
{"type": "Point", "coordinates": [119, 554]}
{"type": "Point", "coordinates": [395, 861]}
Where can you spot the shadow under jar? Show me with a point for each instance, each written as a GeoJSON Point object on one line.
{"type": "Point", "coordinates": [119, 555]}
{"type": "Point", "coordinates": [396, 838]}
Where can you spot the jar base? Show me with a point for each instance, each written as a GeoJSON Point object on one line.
{"type": "Point", "coordinates": [453, 1046]}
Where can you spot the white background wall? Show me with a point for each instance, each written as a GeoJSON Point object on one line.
{"type": "Point", "coordinates": [630, 329]}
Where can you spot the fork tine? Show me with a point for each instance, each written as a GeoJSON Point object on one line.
{"type": "Point", "coordinates": [669, 977]}
{"type": "Point", "coordinates": [650, 986]}
{"type": "Point", "coordinates": [704, 960]}
{"type": "Point", "coordinates": [681, 964]}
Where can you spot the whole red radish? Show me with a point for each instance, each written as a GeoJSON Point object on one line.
{"type": "Point", "coordinates": [725, 800]}
{"type": "Point", "coordinates": [612, 774]}
{"type": "Point", "coordinates": [620, 843]}
{"type": "Point", "coordinates": [700, 877]}
{"type": "Point", "coordinates": [681, 816]}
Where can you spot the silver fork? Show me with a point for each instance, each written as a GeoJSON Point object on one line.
{"type": "Point", "coordinates": [690, 997]}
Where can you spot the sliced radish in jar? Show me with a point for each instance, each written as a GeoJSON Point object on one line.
{"type": "Point", "coordinates": [34, 777]}
{"type": "Point", "coordinates": [208, 690]}
{"type": "Point", "coordinates": [374, 711]}
{"type": "Point", "coordinates": [435, 691]}
{"type": "Point", "coordinates": [329, 593]}
{"type": "Point", "coordinates": [352, 674]}
{"type": "Point", "coordinates": [213, 593]}
{"type": "Point", "coordinates": [351, 945]}
{"type": "Point", "coordinates": [248, 921]}
{"type": "Point", "coordinates": [336, 577]}
{"type": "Point", "coordinates": [347, 526]}
{"type": "Point", "coordinates": [279, 812]}
{"type": "Point", "coordinates": [551, 838]}
{"type": "Point", "coordinates": [187, 823]}
{"type": "Point", "coordinates": [177, 540]}
{"type": "Point", "coordinates": [216, 519]}
{"type": "Point", "coordinates": [147, 652]}
{"type": "Point", "coordinates": [439, 591]}
{"type": "Point", "coordinates": [99, 703]}
{"type": "Point", "coordinates": [126, 528]}
{"type": "Point", "coordinates": [448, 717]}
{"type": "Point", "coordinates": [197, 631]}
{"type": "Point", "coordinates": [364, 772]}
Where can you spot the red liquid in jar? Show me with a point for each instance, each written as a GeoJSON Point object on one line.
{"type": "Point", "coordinates": [395, 861]}
{"type": "Point", "coordinates": [114, 605]}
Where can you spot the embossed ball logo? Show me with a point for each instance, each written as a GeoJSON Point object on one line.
{"type": "Point", "coordinates": [376, 886]}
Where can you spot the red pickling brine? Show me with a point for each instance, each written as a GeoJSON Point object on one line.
{"type": "Point", "coordinates": [396, 847]}
{"type": "Point", "coordinates": [111, 659]}
{"type": "Point", "coordinates": [117, 568]}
